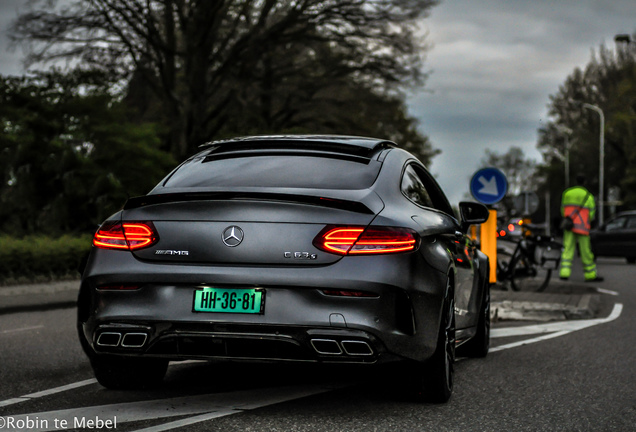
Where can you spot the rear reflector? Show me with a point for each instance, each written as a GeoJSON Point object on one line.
{"type": "Point", "coordinates": [344, 293]}
{"type": "Point", "coordinates": [356, 240]}
{"type": "Point", "coordinates": [125, 236]}
{"type": "Point", "coordinates": [119, 287]}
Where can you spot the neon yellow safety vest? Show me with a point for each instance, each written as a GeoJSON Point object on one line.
{"type": "Point", "coordinates": [573, 199]}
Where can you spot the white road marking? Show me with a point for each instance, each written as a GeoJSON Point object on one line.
{"type": "Point", "coordinates": [204, 407]}
{"type": "Point", "coordinates": [551, 330]}
{"type": "Point", "coordinates": [21, 329]}
{"type": "Point", "coordinates": [47, 392]}
{"type": "Point", "coordinates": [606, 291]}
{"type": "Point", "coordinates": [71, 386]}
{"type": "Point", "coordinates": [188, 421]}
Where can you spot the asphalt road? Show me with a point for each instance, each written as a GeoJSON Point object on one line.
{"type": "Point", "coordinates": [569, 376]}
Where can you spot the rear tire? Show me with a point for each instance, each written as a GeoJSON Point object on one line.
{"type": "Point", "coordinates": [479, 345]}
{"type": "Point", "coordinates": [123, 373]}
{"type": "Point", "coordinates": [631, 260]}
{"type": "Point", "coordinates": [433, 379]}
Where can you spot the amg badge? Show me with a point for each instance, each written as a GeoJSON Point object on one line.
{"type": "Point", "coordinates": [171, 252]}
{"type": "Point", "coordinates": [301, 255]}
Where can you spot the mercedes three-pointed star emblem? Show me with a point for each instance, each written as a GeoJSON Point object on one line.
{"type": "Point", "coordinates": [232, 236]}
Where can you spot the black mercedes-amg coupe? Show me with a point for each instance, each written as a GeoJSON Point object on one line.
{"type": "Point", "coordinates": [288, 248]}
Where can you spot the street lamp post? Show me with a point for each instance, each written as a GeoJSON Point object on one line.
{"type": "Point", "coordinates": [601, 169]}
{"type": "Point", "coordinates": [566, 131]}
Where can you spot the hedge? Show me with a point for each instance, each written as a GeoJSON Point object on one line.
{"type": "Point", "coordinates": [41, 259]}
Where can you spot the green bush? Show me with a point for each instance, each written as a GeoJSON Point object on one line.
{"type": "Point", "coordinates": [40, 258]}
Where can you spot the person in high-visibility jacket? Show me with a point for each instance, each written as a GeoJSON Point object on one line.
{"type": "Point", "coordinates": [578, 203]}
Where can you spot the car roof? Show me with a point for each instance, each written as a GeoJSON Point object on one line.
{"type": "Point", "coordinates": [626, 213]}
{"type": "Point", "coordinates": [353, 145]}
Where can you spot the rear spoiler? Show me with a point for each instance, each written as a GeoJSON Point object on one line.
{"type": "Point", "coordinates": [338, 203]}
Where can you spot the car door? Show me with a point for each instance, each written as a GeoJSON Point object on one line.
{"type": "Point", "coordinates": [628, 238]}
{"type": "Point", "coordinates": [608, 241]}
{"type": "Point", "coordinates": [421, 189]}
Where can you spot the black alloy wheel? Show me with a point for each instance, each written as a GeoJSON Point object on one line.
{"type": "Point", "coordinates": [479, 345]}
{"type": "Point", "coordinates": [433, 379]}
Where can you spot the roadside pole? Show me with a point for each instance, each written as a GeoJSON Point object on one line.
{"type": "Point", "coordinates": [489, 243]}
{"type": "Point", "coordinates": [489, 186]}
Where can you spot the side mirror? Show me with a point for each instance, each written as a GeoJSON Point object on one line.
{"type": "Point", "coordinates": [472, 213]}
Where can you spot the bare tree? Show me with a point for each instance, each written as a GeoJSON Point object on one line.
{"type": "Point", "coordinates": [199, 56]}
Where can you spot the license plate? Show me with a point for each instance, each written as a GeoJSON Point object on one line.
{"type": "Point", "coordinates": [247, 300]}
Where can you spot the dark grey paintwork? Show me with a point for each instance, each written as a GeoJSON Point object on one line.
{"type": "Point", "coordinates": [617, 237]}
{"type": "Point", "coordinates": [401, 322]}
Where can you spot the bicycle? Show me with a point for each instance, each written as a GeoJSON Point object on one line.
{"type": "Point", "coordinates": [529, 266]}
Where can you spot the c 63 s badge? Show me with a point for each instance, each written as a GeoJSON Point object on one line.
{"type": "Point", "coordinates": [301, 255]}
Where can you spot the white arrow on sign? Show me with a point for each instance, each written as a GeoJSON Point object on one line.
{"type": "Point", "coordinates": [489, 186]}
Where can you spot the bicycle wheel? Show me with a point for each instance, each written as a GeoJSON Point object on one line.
{"type": "Point", "coordinates": [504, 257]}
{"type": "Point", "coordinates": [527, 276]}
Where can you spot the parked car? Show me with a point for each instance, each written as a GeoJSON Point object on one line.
{"type": "Point", "coordinates": [288, 248]}
{"type": "Point", "coordinates": [617, 237]}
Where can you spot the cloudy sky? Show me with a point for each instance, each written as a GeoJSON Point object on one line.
{"type": "Point", "coordinates": [493, 64]}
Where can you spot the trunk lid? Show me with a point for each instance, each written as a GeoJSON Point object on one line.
{"type": "Point", "coordinates": [245, 229]}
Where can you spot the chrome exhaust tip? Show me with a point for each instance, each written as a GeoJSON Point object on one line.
{"type": "Point", "coordinates": [134, 340]}
{"type": "Point", "coordinates": [109, 339]}
{"type": "Point", "coordinates": [326, 346]}
{"type": "Point", "coordinates": [357, 348]}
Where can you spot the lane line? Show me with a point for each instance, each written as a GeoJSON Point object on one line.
{"type": "Point", "coordinates": [21, 329]}
{"type": "Point", "coordinates": [555, 327]}
{"type": "Point", "coordinates": [529, 341]}
{"type": "Point", "coordinates": [188, 421]}
{"type": "Point", "coordinates": [12, 401]}
{"type": "Point", "coordinates": [553, 330]}
{"type": "Point", "coordinates": [606, 291]}
{"type": "Point", "coordinates": [60, 389]}
{"type": "Point", "coordinates": [63, 388]}
{"type": "Point", "coordinates": [236, 410]}
{"type": "Point", "coordinates": [201, 407]}
{"type": "Point", "coordinates": [48, 392]}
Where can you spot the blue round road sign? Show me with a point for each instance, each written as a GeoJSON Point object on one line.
{"type": "Point", "coordinates": [489, 185]}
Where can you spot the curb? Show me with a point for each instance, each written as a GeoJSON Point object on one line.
{"type": "Point", "coordinates": [37, 297]}
{"type": "Point", "coordinates": [562, 302]}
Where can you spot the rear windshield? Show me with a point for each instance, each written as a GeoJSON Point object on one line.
{"type": "Point", "coordinates": [284, 171]}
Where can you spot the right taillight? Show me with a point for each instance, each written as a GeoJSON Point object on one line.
{"type": "Point", "coordinates": [125, 235]}
{"type": "Point", "coordinates": [356, 240]}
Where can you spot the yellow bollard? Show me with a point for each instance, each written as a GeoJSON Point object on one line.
{"type": "Point", "coordinates": [489, 243]}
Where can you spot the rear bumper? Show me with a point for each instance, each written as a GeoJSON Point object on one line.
{"type": "Point", "coordinates": [243, 342]}
{"type": "Point", "coordinates": [299, 323]}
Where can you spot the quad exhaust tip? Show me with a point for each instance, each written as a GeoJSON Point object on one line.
{"type": "Point", "coordinates": [124, 340]}
{"type": "Point", "coordinates": [353, 347]}
{"type": "Point", "coordinates": [109, 339]}
{"type": "Point", "coordinates": [134, 340]}
{"type": "Point", "coordinates": [326, 346]}
{"type": "Point", "coordinates": [348, 347]}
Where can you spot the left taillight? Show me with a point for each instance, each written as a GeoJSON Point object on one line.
{"type": "Point", "coordinates": [356, 240]}
{"type": "Point", "coordinates": [125, 235]}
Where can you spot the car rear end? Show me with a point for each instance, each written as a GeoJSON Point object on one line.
{"type": "Point", "coordinates": [263, 252]}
